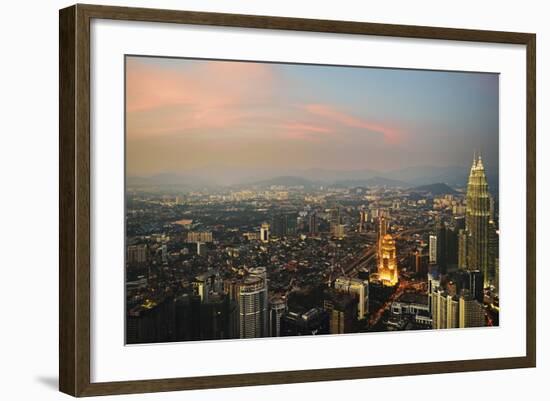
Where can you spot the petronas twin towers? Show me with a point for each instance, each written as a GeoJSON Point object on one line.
{"type": "Point", "coordinates": [478, 222]}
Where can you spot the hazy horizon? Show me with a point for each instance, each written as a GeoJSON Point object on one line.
{"type": "Point", "coordinates": [186, 116]}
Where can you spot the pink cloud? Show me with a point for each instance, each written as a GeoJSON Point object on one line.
{"type": "Point", "coordinates": [238, 98]}
{"type": "Point", "coordinates": [207, 95]}
{"type": "Point", "coordinates": [307, 128]}
{"type": "Point", "coordinates": [333, 115]}
{"type": "Point", "coordinates": [305, 131]}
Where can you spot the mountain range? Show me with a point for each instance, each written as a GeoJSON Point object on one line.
{"type": "Point", "coordinates": [452, 176]}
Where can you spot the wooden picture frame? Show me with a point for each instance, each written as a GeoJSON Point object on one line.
{"type": "Point", "coordinates": [74, 203]}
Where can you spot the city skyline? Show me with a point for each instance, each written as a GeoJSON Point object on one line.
{"type": "Point", "coordinates": [290, 260]}
{"type": "Point", "coordinates": [188, 115]}
{"type": "Point", "coordinates": [276, 200]}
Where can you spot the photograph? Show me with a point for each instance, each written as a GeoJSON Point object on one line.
{"type": "Point", "coordinates": [277, 199]}
{"type": "Point", "coordinates": [264, 200]}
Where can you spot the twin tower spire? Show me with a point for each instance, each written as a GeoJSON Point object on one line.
{"type": "Point", "coordinates": [477, 164]}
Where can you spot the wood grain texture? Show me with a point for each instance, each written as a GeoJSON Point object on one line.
{"type": "Point", "coordinates": [74, 198]}
{"type": "Point", "coordinates": [531, 229]}
{"type": "Point", "coordinates": [67, 265]}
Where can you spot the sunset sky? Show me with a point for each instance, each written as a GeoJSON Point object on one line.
{"type": "Point", "coordinates": [186, 115]}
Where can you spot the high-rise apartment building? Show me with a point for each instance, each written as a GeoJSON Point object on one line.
{"type": "Point", "coordinates": [445, 312]}
{"type": "Point", "coordinates": [471, 313]}
{"type": "Point", "coordinates": [362, 220]}
{"type": "Point", "coordinates": [433, 249]}
{"type": "Point", "coordinates": [313, 224]}
{"type": "Point", "coordinates": [199, 236]}
{"type": "Point", "coordinates": [342, 310]}
{"type": "Point", "coordinates": [253, 312]}
{"type": "Point", "coordinates": [334, 221]}
{"type": "Point", "coordinates": [137, 253]}
{"type": "Point", "coordinates": [264, 232]}
{"type": "Point", "coordinates": [277, 307]}
{"type": "Point", "coordinates": [357, 287]}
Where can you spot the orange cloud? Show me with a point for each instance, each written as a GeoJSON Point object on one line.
{"type": "Point", "coordinates": [331, 114]}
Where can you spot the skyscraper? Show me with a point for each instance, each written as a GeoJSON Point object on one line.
{"type": "Point", "coordinates": [419, 262]}
{"type": "Point", "coordinates": [471, 312]}
{"type": "Point", "coordinates": [342, 310]}
{"type": "Point", "coordinates": [445, 310]}
{"type": "Point", "coordinates": [382, 227]}
{"type": "Point", "coordinates": [261, 272]}
{"type": "Point", "coordinates": [277, 307]}
{"type": "Point", "coordinates": [477, 220]}
{"type": "Point", "coordinates": [462, 249]}
{"type": "Point", "coordinates": [441, 234]}
{"type": "Point", "coordinates": [451, 248]}
{"type": "Point", "coordinates": [199, 236]}
{"type": "Point", "coordinates": [357, 287]}
{"type": "Point", "coordinates": [218, 318]}
{"type": "Point", "coordinates": [339, 231]}
{"type": "Point", "coordinates": [362, 220]}
{"type": "Point", "coordinates": [387, 261]}
{"type": "Point", "coordinates": [201, 248]}
{"type": "Point", "coordinates": [253, 307]}
{"type": "Point", "coordinates": [439, 309]}
{"type": "Point", "coordinates": [206, 283]}
{"type": "Point", "coordinates": [434, 283]}
{"type": "Point", "coordinates": [137, 253]}
{"type": "Point", "coordinates": [334, 217]}
{"type": "Point", "coordinates": [313, 224]}
{"type": "Point", "coordinates": [264, 232]}
{"type": "Point", "coordinates": [433, 249]}
{"type": "Point", "coordinates": [471, 281]}
{"type": "Point", "coordinates": [279, 225]}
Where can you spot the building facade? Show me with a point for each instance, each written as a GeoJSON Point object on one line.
{"type": "Point", "coordinates": [471, 312]}
{"type": "Point", "coordinates": [264, 232]}
{"type": "Point", "coordinates": [433, 249]}
{"type": "Point", "coordinates": [357, 287]}
{"type": "Point", "coordinates": [253, 311]}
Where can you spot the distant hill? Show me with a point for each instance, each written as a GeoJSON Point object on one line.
{"type": "Point", "coordinates": [167, 180]}
{"type": "Point", "coordinates": [435, 189]}
{"type": "Point", "coordinates": [383, 181]}
{"type": "Point", "coordinates": [286, 181]}
{"type": "Point", "coordinates": [332, 176]}
{"type": "Point", "coordinates": [413, 177]}
{"type": "Point", "coordinates": [372, 182]}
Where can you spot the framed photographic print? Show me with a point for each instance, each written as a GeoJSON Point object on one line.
{"type": "Point", "coordinates": [250, 200]}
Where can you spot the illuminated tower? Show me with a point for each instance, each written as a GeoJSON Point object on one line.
{"type": "Point", "coordinates": [382, 228]}
{"type": "Point", "coordinates": [387, 261]}
{"type": "Point", "coordinates": [477, 220]}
